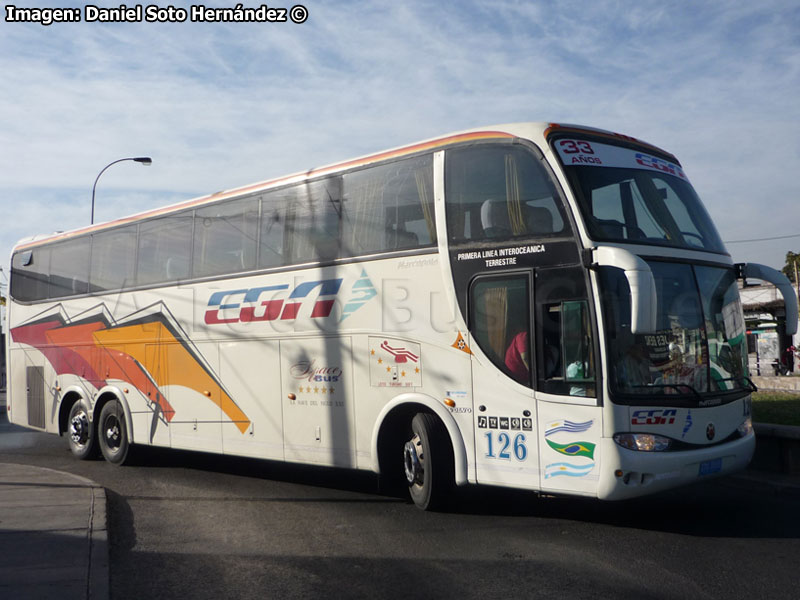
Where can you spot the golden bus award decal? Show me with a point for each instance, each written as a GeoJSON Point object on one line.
{"type": "Point", "coordinates": [461, 344]}
{"type": "Point", "coordinates": [394, 363]}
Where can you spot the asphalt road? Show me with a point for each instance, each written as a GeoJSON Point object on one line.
{"type": "Point", "coordinates": [187, 525]}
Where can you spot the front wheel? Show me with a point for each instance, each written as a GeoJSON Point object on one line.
{"type": "Point", "coordinates": [113, 433]}
{"type": "Point", "coordinates": [81, 436]}
{"type": "Point", "coordinates": [428, 462]}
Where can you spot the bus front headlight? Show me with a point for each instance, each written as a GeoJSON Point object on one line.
{"type": "Point", "coordinates": [746, 428]}
{"type": "Point", "coordinates": [643, 442]}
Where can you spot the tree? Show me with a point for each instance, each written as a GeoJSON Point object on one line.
{"type": "Point", "coordinates": [792, 261]}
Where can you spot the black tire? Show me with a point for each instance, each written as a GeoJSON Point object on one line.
{"type": "Point", "coordinates": [112, 433]}
{"type": "Point", "coordinates": [80, 432]}
{"type": "Point", "coordinates": [428, 461]}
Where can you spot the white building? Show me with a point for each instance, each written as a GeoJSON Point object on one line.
{"type": "Point", "coordinates": [767, 342]}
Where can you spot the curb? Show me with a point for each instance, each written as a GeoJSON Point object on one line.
{"type": "Point", "coordinates": [789, 432]}
{"type": "Point", "coordinates": [97, 585]}
{"type": "Point", "coordinates": [97, 579]}
{"type": "Point", "coordinates": [43, 507]}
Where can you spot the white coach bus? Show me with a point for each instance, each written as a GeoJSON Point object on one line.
{"type": "Point", "coordinates": [536, 306]}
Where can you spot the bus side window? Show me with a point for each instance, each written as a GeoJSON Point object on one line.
{"type": "Point", "coordinates": [500, 323]}
{"type": "Point", "coordinates": [225, 238]}
{"type": "Point", "coordinates": [577, 344]}
{"type": "Point", "coordinates": [69, 267]}
{"type": "Point", "coordinates": [29, 274]}
{"type": "Point", "coordinates": [500, 192]}
{"type": "Point", "coordinates": [271, 245]}
{"type": "Point", "coordinates": [315, 215]}
{"type": "Point", "coordinates": [165, 249]}
{"type": "Point", "coordinates": [565, 350]}
{"type": "Point", "coordinates": [113, 259]}
{"type": "Point", "coordinates": [388, 207]}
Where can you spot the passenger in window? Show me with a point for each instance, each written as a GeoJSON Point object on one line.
{"type": "Point", "coordinates": [517, 358]}
{"type": "Point", "coordinates": [577, 370]}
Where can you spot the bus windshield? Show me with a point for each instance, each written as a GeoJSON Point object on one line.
{"type": "Point", "coordinates": [626, 195]}
{"type": "Point", "coordinates": [699, 346]}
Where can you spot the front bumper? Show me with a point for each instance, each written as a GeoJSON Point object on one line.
{"type": "Point", "coordinates": [628, 473]}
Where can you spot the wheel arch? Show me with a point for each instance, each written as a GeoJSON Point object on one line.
{"type": "Point", "coordinates": [69, 397]}
{"type": "Point", "coordinates": [398, 413]}
{"type": "Point", "coordinates": [104, 396]}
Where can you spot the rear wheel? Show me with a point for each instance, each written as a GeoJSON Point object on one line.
{"type": "Point", "coordinates": [80, 432]}
{"type": "Point", "coordinates": [428, 462]}
{"type": "Point", "coordinates": [112, 433]}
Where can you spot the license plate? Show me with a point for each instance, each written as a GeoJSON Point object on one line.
{"type": "Point", "coordinates": [710, 467]}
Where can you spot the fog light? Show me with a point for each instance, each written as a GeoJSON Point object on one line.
{"type": "Point", "coordinates": [643, 442]}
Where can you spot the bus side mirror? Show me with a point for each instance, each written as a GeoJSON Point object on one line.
{"type": "Point", "coordinates": [644, 307]}
{"type": "Point", "coordinates": [780, 281]}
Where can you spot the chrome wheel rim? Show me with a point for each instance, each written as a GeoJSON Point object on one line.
{"type": "Point", "coordinates": [79, 429]}
{"type": "Point", "coordinates": [413, 462]}
{"type": "Point", "coordinates": [112, 433]}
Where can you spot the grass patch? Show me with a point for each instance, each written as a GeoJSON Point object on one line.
{"type": "Point", "coordinates": [779, 408]}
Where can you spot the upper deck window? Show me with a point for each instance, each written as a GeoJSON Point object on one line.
{"type": "Point", "coordinates": [383, 207]}
{"type": "Point", "coordinates": [388, 207]}
{"type": "Point", "coordinates": [165, 249]}
{"type": "Point", "coordinates": [225, 238]}
{"type": "Point", "coordinates": [497, 192]}
{"type": "Point", "coordinates": [113, 264]}
{"type": "Point", "coordinates": [628, 195]}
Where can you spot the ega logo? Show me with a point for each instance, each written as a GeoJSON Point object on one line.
{"type": "Point", "coordinates": [651, 162]}
{"type": "Point", "coordinates": [657, 416]}
{"type": "Point", "coordinates": [260, 304]}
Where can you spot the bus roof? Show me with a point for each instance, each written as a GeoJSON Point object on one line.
{"type": "Point", "coordinates": [537, 131]}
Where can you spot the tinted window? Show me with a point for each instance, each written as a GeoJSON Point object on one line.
{"type": "Point", "coordinates": [500, 322]}
{"type": "Point", "coordinates": [388, 207]}
{"type": "Point", "coordinates": [69, 267]}
{"type": "Point", "coordinates": [314, 216]}
{"type": "Point", "coordinates": [225, 238]}
{"type": "Point", "coordinates": [165, 249]}
{"type": "Point", "coordinates": [272, 247]}
{"type": "Point", "coordinates": [699, 344]}
{"type": "Point", "coordinates": [497, 192]}
{"type": "Point", "coordinates": [628, 195]}
{"type": "Point", "coordinates": [29, 274]}
{"type": "Point", "coordinates": [113, 259]}
{"type": "Point", "coordinates": [565, 350]}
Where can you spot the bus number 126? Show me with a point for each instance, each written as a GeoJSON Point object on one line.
{"type": "Point", "coordinates": [519, 448]}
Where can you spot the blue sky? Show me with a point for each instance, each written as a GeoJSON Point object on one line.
{"type": "Point", "coordinates": [222, 105]}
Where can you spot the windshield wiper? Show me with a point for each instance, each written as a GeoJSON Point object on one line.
{"type": "Point", "coordinates": [745, 382]}
{"type": "Point", "coordinates": [673, 386]}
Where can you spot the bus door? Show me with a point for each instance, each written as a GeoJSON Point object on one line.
{"type": "Point", "coordinates": [500, 310]}
{"type": "Point", "coordinates": [569, 415]}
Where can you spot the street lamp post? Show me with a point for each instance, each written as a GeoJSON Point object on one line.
{"type": "Point", "coordinates": [145, 160]}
